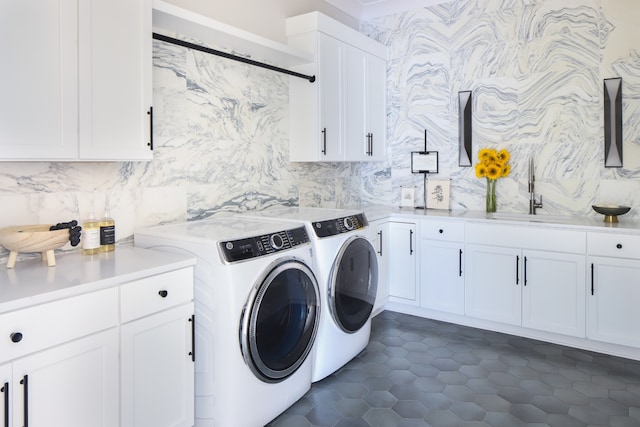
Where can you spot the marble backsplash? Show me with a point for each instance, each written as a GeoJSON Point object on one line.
{"type": "Point", "coordinates": [221, 127]}
{"type": "Point", "coordinates": [220, 145]}
{"type": "Point", "coordinates": [536, 69]}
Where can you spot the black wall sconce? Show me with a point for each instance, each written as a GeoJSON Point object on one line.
{"type": "Point", "coordinates": [613, 123]}
{"type": "Point", "coordinates": [464, 128]}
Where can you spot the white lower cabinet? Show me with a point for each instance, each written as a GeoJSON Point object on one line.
{"type": "Point", "coordinates": [67, 363]}
{"type": "Point", "coordinates": [539, 287]}
{"type": "Point", "coordinates": [553, 292]}
{"type": "Point", "coordinates": [158, 370]}
{"type": "Point", "coordinates": [157, 351]}
{"type": "Point", "coordinates": [441, 266]}
{"type": "Point", "coordinates": [492, 290]}
{"type": "Point", "coordinates": [72, 385]}
{"type": "Point", "coordinates": [380, 230]}
{"type": "Point", "coordinates": [402, 263]}
{"type": "Point", "coordinates": [614, 288]}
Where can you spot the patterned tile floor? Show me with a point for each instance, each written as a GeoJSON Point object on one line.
{"type": "Point", "coordinates": [420, 372]}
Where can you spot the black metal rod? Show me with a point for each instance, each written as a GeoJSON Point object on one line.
{"type": "Point", "coordinates": [231, 56]}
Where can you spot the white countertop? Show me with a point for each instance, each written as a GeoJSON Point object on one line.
{"type": "Point", "coordinates": [32, 282]}
{"type": "Point", "coordinates": [588, 223]}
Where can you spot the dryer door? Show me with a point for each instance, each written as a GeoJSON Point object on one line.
{"type": "Point", "coordinates": [280, 320]}
{"type": "Point", "coordinates": [353, 284]}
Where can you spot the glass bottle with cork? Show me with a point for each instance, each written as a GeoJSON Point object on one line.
{"type": "Point", "coordinates": [107, 233]}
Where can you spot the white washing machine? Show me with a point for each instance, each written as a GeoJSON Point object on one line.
{"type": "Point", "coordinates": [256, 314]}
{"type": "Point", "coordinates": [346, 266]}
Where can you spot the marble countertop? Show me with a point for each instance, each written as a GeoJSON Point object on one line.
{"type": "Point", "coordinates": [590, 223]}
{"type": "Point", "coordinates": [32, 282]}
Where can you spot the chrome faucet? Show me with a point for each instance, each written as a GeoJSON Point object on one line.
{"type": "Point", "coordinates": [533, 205]}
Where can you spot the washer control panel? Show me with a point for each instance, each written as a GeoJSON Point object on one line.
{"type": "Point", "coordinates": [336, 226]}
{"type": "Point", "coordinates": [253, 247]}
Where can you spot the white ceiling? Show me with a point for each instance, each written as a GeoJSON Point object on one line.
{"type": "Point", "coordinates": [367, 9]}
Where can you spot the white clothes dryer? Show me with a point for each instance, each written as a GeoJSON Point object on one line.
{"type": "Point", "coordinates": [346, 266]}
{"type": "Point", "coordinates": [256, 314]}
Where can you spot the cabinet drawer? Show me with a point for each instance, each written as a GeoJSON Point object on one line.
{"type": "Point", "coordinates": [156, 293]}
{"type": "Point", "coordinates": [442, 230]}
{"type": "Point", "coordinates": [528, 237]}
{"type": "Point", "coordinates": [615, 245]}
{"type": "Point", "coordinates": [39, 327]}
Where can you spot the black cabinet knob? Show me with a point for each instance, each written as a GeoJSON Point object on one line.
{"type": "Point", "coordinates": [619, 246]}
{"type": "Point", "coordinates": [16, 337]}
{"type": "Point", "coordinates": [163, 293]}
{"type": "Point", "coordinates": [441, 231]}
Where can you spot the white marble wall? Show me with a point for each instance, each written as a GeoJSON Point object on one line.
{"type": "Point", "coordinates": [535, 68]}
{"type": "Point", "coordinates": [221, 145]}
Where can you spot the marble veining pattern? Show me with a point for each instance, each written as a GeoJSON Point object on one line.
{"type": "Point", "coordinates": [221, 128]}
{"type": "Point", "coordinates": [536, 70]}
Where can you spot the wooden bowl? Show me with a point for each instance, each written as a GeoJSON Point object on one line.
{"type": "Point", "coordinates": [33, 238]}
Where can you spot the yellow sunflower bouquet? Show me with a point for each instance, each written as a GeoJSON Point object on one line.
{"type": "Point", "coordinates": [492, 164]}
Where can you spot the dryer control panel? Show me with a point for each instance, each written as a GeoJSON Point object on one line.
{"type": "Point", "coordinates": [336, 226]}
{"type": "Point", "coordinates": [252, 247]}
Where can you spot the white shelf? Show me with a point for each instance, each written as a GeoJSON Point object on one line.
{"type": "Point", "coordinates": [174, 21]}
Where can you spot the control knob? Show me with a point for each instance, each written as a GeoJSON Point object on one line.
{"type": "Point", "coordinates": [276, 241]}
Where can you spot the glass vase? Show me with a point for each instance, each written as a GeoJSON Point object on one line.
{"type": "Point", "coordinates": [491, 195]}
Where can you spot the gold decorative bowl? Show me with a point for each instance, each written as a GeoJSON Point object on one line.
{"type": "Point", "coordinates": [611, 212]}
{"type": "Point", "coordinates": [33, 238]}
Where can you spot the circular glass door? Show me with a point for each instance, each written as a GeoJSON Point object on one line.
{"type": "Point", "coordinates": [280, 321]}
{"type": "Point", "coordinates": [353, 284]}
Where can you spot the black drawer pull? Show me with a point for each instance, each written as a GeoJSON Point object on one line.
{"type": "Point", "coordinates": [163, 293]}
{"type": "Point", "coordinates": [441, 231]}
{"type": "Point", "coordinates": [16, 337]}
{"type": "Point", "coordinates": [619, 246]}
{"type": "Point", "coordinates": [5, 391]}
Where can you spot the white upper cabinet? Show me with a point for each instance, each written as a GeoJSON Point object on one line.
{"type": "Point", "coordinates": [38, 79]}
{"type": "Point", "coordinates": [115, 79]}
{"type": "Point", "coordinates": [341, 116]}
{"type": "Point", "coordinates": [79, 84]}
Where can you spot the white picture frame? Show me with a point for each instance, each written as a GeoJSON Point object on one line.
{"type": "Point", "coordinates": [438, 194]}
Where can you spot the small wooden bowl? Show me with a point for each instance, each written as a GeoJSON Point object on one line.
{"type": "Point", "coordinates": [33, 238]}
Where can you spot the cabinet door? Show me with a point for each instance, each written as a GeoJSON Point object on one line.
{"type": "Point", "coordinates": [493, 285]}
{"type": "Point", "coordinates": [72, 385]}
{"type": "Point", "coordinates": [356, 137]}
{"type": "Point", "coordinates": [381, 246]}
{"type": "Point", "coordinates": [613, 294]}
{"type": "Point", "coordinates": [330, 68]}
{"type": "Point", "coordinates": [402, 262]}
{"type": "Point", "coordinates": [6, 386]}
{"type": "Point", "coordinates": [441, 279]}
{"type": "Point", "coordinates": [553, 292]}
{"type": "Point", "coordinates": [158, 370]}
{"type": "Point", "coordinates": [38, 80]}
{"type": "Point", "coordinates": [376, 107]}
{"type": "Point", "coordinates": [365, 125]}
{"type": "Point", "coordinates": [115, 79]}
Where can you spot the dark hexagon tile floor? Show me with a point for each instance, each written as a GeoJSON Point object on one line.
{"type": "Point", "coordinates": [419, 372]}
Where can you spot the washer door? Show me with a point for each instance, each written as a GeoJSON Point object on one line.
{"type": "Point", "coordinates": [353, 284]}
{"type": "Point", "coordinates": [280, 320]}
